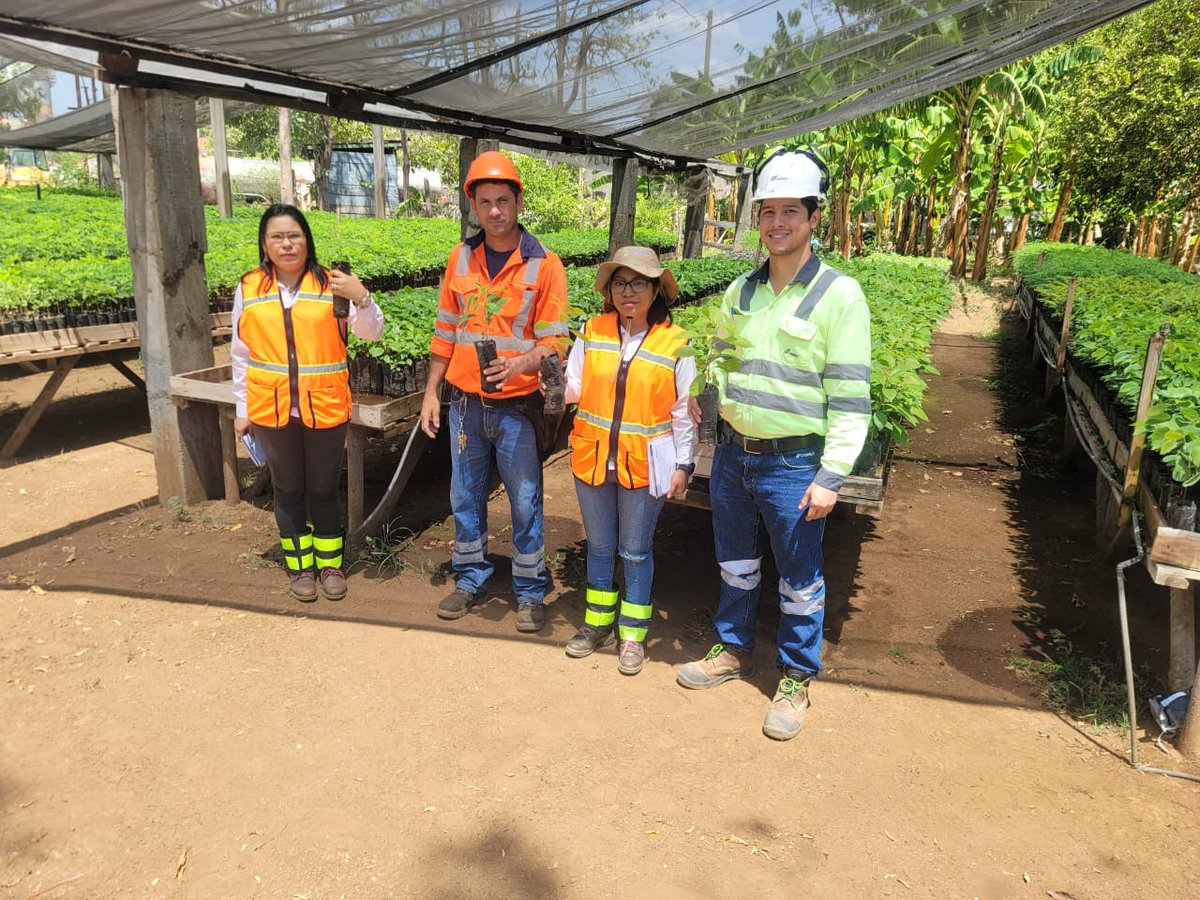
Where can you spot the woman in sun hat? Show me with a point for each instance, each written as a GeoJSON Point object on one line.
{"type": "Point", "coordinates": [632, 389]}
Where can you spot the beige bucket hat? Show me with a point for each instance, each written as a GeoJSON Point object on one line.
{"type": "Point", "coordinates": [642, 260]}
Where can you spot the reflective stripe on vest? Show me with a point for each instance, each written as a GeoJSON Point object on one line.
{"type": "Point", "coordinates": [461, 333]}
{"type": "Point", "coordinates": [642, 409]}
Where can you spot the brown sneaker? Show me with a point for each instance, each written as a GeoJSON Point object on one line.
{"type": "Point", "coordinates": [786, 714]}
{"type": "Point", "coordinates": [721, 664]}
{"type": "Point", "coordinates": [588, 639]}
{"type": "Point", "coordinates": [333, 583]}
{"type": "Point", "coordinates": [530, 617]}
{"type": "Point", "coordinates": [457, 604]}
{"type": "Point", "coordinates": [630, 657]}
{"type": "Point", "coordinates": [303, 585]}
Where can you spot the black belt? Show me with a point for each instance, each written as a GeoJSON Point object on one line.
{"type": "Point", "coordinates": [499, 402]}
{"type": "Point", "coordinates": [771, 445]}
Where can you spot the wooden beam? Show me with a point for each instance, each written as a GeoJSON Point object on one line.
{"type": "Point", "coordinates": [1181, 667]}
{"type": "Point", "coordinates": [32, 415]}
{"type": "Point", "coordinates": [216, 115]}
{"type": "Point", "coordinates": [381, 209]}
{"type": "Point", "coordinates": [693, 223]}
{"type": "Point", "coordinates": [623, 205]}
{"type": "Point", "coordinates": [229, 465]}
{"type": "Point", "coordinates": [165, 232]}
{"type": "Point", "coordinates": [131, 376]}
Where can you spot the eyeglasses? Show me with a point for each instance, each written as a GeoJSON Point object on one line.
{"type": "Point", "coordinates": [637, 285]}
{"type": "Point", "coordinates": [294, 237]}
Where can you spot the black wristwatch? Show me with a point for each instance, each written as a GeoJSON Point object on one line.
{"type": "Point", "coordinates": [686, 467]}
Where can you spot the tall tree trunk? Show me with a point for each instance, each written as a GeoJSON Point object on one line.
{"type": "Point", "coordinates": [901, 226]}
{"type": "Point", "coordinates": [1151, 238]}
{"type": "Point", "coordinates": [1060, 211]}
{"type": "Point", "coordinates": [323, 162]}
{"type": "Point", "coordinates": [287, 179]}
{"type": "Point", "coordinates": [1181, 239]}
{"type": "Point", "coordinates": [1019, 233]}
{"type": "Point", "coordinates": [858, 234]}
{"type": "Point", "coordinates": [953, 233]}
{"type": "Point", "coordinates": [983, 241]}
{"type": "Point", "coordinates": [930, 216]}
{"type": "Point", "coordinates": [1193, 255]}
{"type": "Point", "coordinates": [1139, 240]}
{"type": "Point", "coordinates": [1021, 226]}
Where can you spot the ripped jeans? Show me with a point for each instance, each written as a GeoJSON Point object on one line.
{"type": "Point", "coordinates": [756, 498]}
{"type": "Point", "coordinates": [621, 521]}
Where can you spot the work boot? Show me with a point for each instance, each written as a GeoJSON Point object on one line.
{"type": "Point", "coordinates": [786, 714]}
{"type": "Point", "coordinates": [457, 604]}
{"type": "Point", "coordinates": [530, 617]}
{"type": "Point", "coordinates": [327, 556]}
{"type": "Point", "coordinates": [333, 583]}
{"type": "Point", "coordinates": [721, 664]}
{"type": "Point", "coordinates": [303, 586]}
{"type": "Point", "coordinates": [587, 639]}
{"type": "Point", "coordinates": [298, 559]}
{"type": "Point", "coordinates": [630, 657]}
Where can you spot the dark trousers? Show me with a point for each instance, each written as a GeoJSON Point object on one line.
{"type": "Point", "coordinates": [306, 468]}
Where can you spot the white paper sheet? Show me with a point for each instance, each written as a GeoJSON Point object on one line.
{"type": "Point", "coordinates": [662, 464]}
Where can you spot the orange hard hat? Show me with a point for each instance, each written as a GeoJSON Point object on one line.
{"type": "Point", "coordinates": [492, 166]}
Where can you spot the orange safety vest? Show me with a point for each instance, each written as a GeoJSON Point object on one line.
{"type": "Point", "coordinates": [295, 353]}
{"type": "Point", "coordinates": [639, 401]}
{"type": "Point", "coordinates": [529, 310]}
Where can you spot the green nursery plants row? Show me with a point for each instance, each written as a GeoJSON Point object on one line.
{"type": "Point", "coordinates": [1061, 261]}
{"type": "Point", "coordinates": [66, 254]}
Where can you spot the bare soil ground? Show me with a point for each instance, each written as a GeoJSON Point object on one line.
{"type": "Point", "coordinates": [174, 725]}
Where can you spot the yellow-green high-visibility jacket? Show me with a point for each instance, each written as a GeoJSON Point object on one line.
{"type": "Point", "coordinates": [807, 369]}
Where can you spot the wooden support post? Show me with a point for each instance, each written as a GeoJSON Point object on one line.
{"type": "Point", "coordinates": [216, 117]}
{"type": "Point", "coordinates": [356, 442]}
{"type": "Point", "coordinates": [164, 222]}
{"type": "Point", "coordinates": [287, 178]}
{"type": "Point", "coordinates": [1066, 328]}
{"type": "Point", "coordinates": [1181, 667]}
{"type": "Point", "coordinates": [468, 149]}
{"type": "Point", "coordinates": [623, 205]}
{"type": "Point", "coordinates": [693, 225]}
{"type": "Point", "coordinates": [104, 171]}
{"type": "Point", "coordinates": [381, 209]}
{"type": "Point", "coordinates": [744, 204]}
{"type": "Point", "coordinates": [62, 367]}
{"type": "Point", "coordinates": [1137, 443]}
{"type": "Point", "coordinates": [229, 464]}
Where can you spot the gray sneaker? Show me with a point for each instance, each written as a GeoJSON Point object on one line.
{"type": "Point", "coordinates": [786, 714]}
{"type": "Point", "coordinates": [457, 604]}
{"type": "Point", "coordinates": [721, 664]}
{"type": "Point", "coordinates": [530, 617]}
{"type": "Point", "coordinates": [588, 639]}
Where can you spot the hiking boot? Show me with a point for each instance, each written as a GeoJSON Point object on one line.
{"type": "Point", "coordinates": [530, 617]}
{"type": "Point", "coordinates": [587, 639]}
{"type": "Point", "coordinates": [630, 657]}
{"type": "Point", "coordinates": [457, 604]}
{"type": "Point", "coordinates": [303, 585]}
{"type": "Point", "coordinates": [333, 583]}
{"type": "Point", "coordinates": [786, 714]}
{"type": "Point", "coordinates": [721, 664]}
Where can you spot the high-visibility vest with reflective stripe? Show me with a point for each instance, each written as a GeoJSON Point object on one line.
{"type": "Point", "coordinates": [634, 409]}
{"type": "Point", "coordinates": [807, 366]}
{"type": "Point", "coordinates": [513, 323]}
{"type": "Point", "coordinates": [295, 353]}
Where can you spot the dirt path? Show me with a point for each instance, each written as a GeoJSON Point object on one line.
{"type": "Point", "coordinates": [175, 726]}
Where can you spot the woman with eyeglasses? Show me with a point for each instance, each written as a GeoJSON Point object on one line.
{"type": "Point", "coordinates": [631, 446]}
{"type": "Point", "coordinates": [292, 386]}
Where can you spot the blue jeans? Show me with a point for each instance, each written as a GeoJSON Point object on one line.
{"type": "Point", "coordinates": [744, 487]}
{"type": "Point", "coordinates": [621, 521]}
{"type": "Point", "coordinates": [507, 435]}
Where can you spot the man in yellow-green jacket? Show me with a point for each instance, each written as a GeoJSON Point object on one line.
{"type": "Point", "coordinates": [794, 416]}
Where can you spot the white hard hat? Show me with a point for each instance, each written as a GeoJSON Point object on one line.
{"type": "Point", "coordinates": [793, 175]}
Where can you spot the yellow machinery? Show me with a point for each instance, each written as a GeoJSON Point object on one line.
{"type": "Point", "coordinates": [25, 167]}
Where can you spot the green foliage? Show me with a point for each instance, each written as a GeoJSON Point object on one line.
{"type": "Point", "coordinates": [1111, 323]}
{"type": "Point", "coordinates": [1061, 261]}
{"type": "Point", "coordinates": [69, 249]}
{"type": "Point", "coordinates": [553, 195]}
